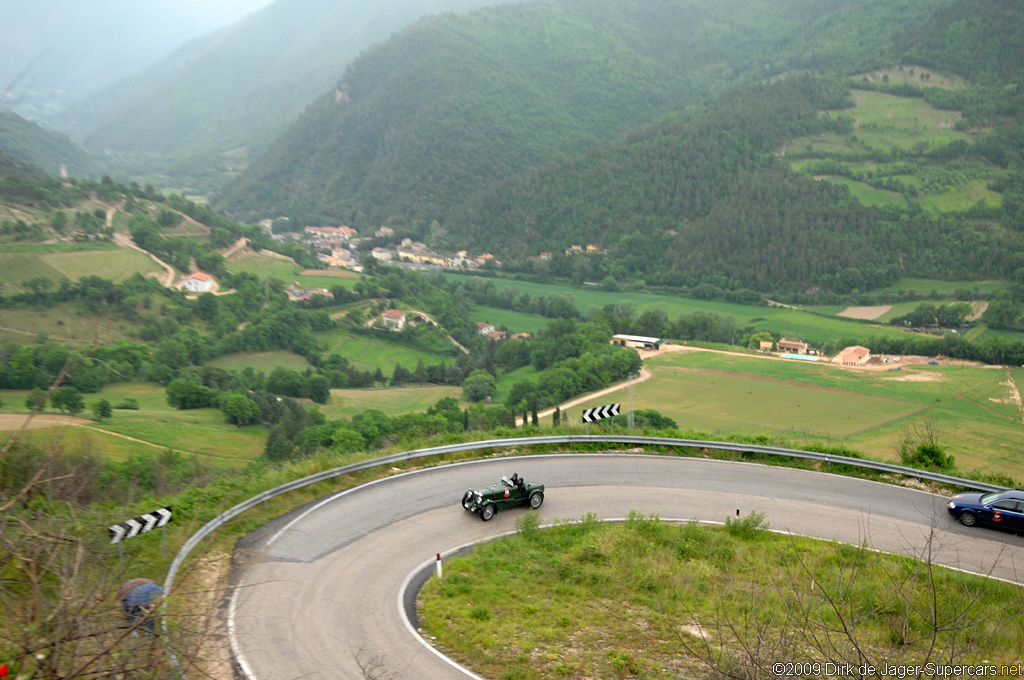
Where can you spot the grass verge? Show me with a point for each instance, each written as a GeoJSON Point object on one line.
{"type": "Point", "coordinates": [647, 599]}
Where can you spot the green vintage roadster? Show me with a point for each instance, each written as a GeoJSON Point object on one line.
{"type": "Point", "coordinates": [506, 493]}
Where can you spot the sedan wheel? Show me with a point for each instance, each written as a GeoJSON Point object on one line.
{"type": "Point", "coordinates": [487, 512]}
{"type": "Point", "coordinates": [968, 519]}
{"type": "Point", "coordinates": [536, 499]}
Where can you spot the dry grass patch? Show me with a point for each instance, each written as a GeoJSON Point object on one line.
{"type": "Point", "coordinates": [865, 313]}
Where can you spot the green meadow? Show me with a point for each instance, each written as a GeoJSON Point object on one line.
{"type": "Point", "coordinates": [516, 322]}
{"type": "Point", "coordinates": [926, 286]}
{"type": "Point", "coordinates": [204, 431]}
{"type": "Point", "coordinates": [62, 322]}
{"type": "Point", "coordinates": [970, 408]}
{"type": "Point", "coordinates": [151, 428]}
{"type": "Point", "coordinates": [57, 261]}
{"type": "Point", "coordinates": [393, 401]}
{"type": "Point", "coordinates": [867, 194]}
{"type": "Point", "coordinates": [264, 362]}
{"type": "Point", "coordinates": [265, 265]}
{"type": "Point", "coordinates": [793, 323]}
{"type": "Point", "coordinates": [325, 280]}
{"type": "Point", "coordinates": [886, 121]}
{"type": "Point", "coordinates": [885, 124]}
{"type": "Point", "coordinates": [370, 352]}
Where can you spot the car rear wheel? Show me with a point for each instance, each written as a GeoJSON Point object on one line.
{"type": "Point", "coordinates": [487, 512]}
{"type": "Point", "coordinates": [968, 519]}
{"type": "Point", "coordinates": [536, 499]}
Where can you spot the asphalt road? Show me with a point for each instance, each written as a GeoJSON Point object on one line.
{"type": "Point", "coordinates": [322, 589]}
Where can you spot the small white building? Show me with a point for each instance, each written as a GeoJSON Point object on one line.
{"type": "Point", "coordinates": [199, 282]}
{"type": "Point", "coordinates": [484, 328]}
{"type": "Point", "coordinates": [394, 319]}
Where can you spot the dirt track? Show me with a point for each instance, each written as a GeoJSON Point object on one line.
{"type": "Point", "coordinates": [15, 421]}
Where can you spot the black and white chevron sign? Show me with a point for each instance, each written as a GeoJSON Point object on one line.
{"type": "Point", "coordinates": [139, 525]}
{"type": "Point", "coordinates": [592, 415]}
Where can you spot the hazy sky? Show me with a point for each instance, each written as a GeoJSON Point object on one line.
{"type": "Point", "coordinates": [220, 12]}
{"type": "Point", "coordinates": [54, 49]}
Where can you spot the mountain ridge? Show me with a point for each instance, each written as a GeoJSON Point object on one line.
{"type": "Point", "coordinates": [607, 58]}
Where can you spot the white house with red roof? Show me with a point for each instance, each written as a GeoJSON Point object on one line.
{"type": "Point", "coordinates": [394, 319]}
{"type": "Point", "coordinates": [199, 282]}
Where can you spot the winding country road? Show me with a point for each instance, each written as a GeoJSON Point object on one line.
{"type": "Point", "coordinates": [325, 584]}
{"type": "Point", "coordinates": [125, 241]}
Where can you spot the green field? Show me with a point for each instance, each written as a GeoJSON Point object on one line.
{"type": "Point", "coordinates": [516, 322]}
{"type": "Point", "coordinates": [792, 323]}
{"type": "Point", "coordinates": [896, 309]}
{"type": "Point", "coordinates": [63, 323]}
{"type": "Point", "coordinates": [200, 431]}
{"type": "Point", "coordinates": [970, 407]}
{"type": "Point", "coordinates": [368, 353]}
{"type": "Point", "coordinates": [866, 194]}
{"type": "Point", "coordinates": [393, 401]}
{"type": "Point", "coordinates": [54, 262]}
{"type": "Point", "coordinates": [891, 138]}
{"type": "Point", "coordinates": [326, 281]}
{"type": "Point", "coordinates": [156, 425]}
{"type": "Point", "coordinates": [886, 121]}
{"type": "Point", "coordinates": [88, 439]}
{"type": "Point", "coordinates": [927, 286]}
{"type": "Point", "coordinates": [263, 265]}
{"type": "Point", "coordinates": [261, 361]}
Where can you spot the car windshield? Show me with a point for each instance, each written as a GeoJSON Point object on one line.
{"type": "Point", "coordinates": [989, 497]}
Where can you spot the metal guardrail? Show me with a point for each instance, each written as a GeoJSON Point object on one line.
{"type": "Point", "coordinates": [827, 458]}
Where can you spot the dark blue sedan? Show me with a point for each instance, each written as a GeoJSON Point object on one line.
{"type": "Point", "coordinates": [1002, 509]}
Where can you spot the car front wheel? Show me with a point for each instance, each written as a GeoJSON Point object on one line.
{"type": "Point", "coordinates": [487, 512]}
{"type": "Point", "coordinates": [466, 499]}
{"type": "Point", "coordinates": [536, 499]}
{"type": "Point", "coordinates": [968, 519]}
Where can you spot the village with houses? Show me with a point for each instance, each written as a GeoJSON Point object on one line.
{"type": "Point", "coordinates": [343, 247]}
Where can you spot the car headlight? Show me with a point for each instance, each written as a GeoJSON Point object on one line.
{"type": "Point", "coordinates": [478, 498]}
{"type": "Point", "coordinates": [952, 504]}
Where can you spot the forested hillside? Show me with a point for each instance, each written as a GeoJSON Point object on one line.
{"type": "Point", "coordinates": [456, 102]}
{"type": "Point", "coordinates": [13, 168]}
{"type": "Point", "coordinates": [26, 141]}
{"type": "Point", "coordinates": [684, 201]}
{"type": "Point", "coordinates": [708, 204]}
{"type": "Point", "coordinates": [235, 89]}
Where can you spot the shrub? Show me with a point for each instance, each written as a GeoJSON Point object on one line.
{"type": "Point", "coordinates": [927, 457]}
{"type": "Point", "coordinates": [747, 528]}
{"type": "Point", "coordinates": [528, 524]}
